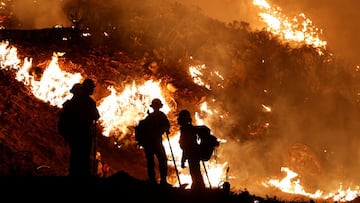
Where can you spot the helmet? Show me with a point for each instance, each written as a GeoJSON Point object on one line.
{"type": "Point", "coordinates": [156, 103]}
{"type": "Point", "coordinates": [76, 89]}
{"type": "Point", "coordinates": [184, 117]}
{"type": "Point", "coordinates": [88, 86]}
{"type": "Point", "coordinates": [88, 83]}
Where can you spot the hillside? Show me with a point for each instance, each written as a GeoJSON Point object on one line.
{"type": "Point", "coordinates": [35, 157]}
{"type": "Point", "coordinates": [311, 126]}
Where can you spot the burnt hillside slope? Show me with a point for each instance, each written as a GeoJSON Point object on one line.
{"type": "Point", "coordinates": [312, 97]}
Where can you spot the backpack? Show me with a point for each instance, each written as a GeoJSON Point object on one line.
{"type": "Point", "coordinates": [63, 125]}
{"type": "Point", "coordinates": [140, 131]}
{"type": "Point", "coordinates": [208, 142]}
{"type": "Point", "coordinates": [65, 121]}
{"type": "Point", "coordinates": [150, 129]}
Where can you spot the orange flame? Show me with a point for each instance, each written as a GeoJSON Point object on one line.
{"type": "Point", "coordinates": [202, 78]}
{"type": "Point", "coordinates": [298, 29]}
{"type": "Point", "coordinates": [289, 185]}
{"type": "Point", "coordinates": [54, 85]}
{"type": "Point", "coordinates": [118, 110]}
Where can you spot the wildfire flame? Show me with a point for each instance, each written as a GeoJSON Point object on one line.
{"type": "Point", "coordinates": [119, 111]}
{"type": "Point", "coordinates": [290, 185]}
{"type": "Point", "coordinates": [298, 29]}
{"type": "Point", "coordinates": [54, 85]}
{"type": "Point", "coordinates": [201, 77]}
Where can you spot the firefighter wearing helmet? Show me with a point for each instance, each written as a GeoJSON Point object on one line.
{"type": "Point", "coordinates": [157, 125]}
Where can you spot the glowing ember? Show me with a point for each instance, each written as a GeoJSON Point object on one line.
{"type": "Point", "coordinates": [265, 108]}
{"type": "Point", "coordinates": [195, 72]}
{"type": "Point", "coordinates": [202, 78]}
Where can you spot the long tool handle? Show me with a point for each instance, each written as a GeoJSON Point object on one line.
{"type": "Point", "coordinates": [172, 154]}
{"type": "Point", "coordinates": [206, 173]}
{"type": "Point", "coordinates": [94, 146]}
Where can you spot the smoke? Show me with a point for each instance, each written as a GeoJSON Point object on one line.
{"type": "Point", "coordinates": [317, 138]}
{"type": "Point", "coordinates": [39, 14]}
{"type": "Point", "coordinates": [228, 10]}
{"type": "Point", "coordinates": [311, 131]}
{"type": "Point", "coordinates": [340, 26]}
{"type": "Point", "coordinates": [338, 19]}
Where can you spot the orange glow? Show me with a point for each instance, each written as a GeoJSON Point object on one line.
{"type": "Point", "coordinates": [265, 108]}
{"type": "Point", "coordinates": [290, 185]}
{"type": "Point", "coordinates": [54, 85]}
{"type": "Point", "coordinates": [298, 29]}
{"type": "Point", "coordinates": [215, 171]}
{"type": "Point", "coordinates": [201, 76]}
{"type": "Point", "coordinates": [118, 111]}
{"type": "Point", "coordinates": [196, 74]}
